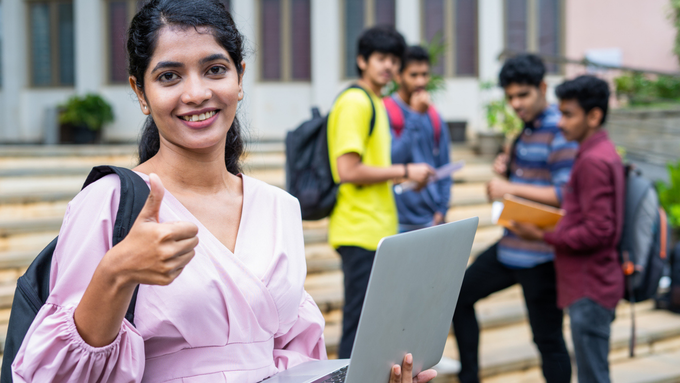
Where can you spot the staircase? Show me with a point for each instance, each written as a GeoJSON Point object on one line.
{"type": "Point", "coordinates": [36, 184]}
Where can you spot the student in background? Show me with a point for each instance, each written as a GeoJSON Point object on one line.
{"type": "Point", "coordinates": [418, 135]}
{"type": "Point", "coordinates": [365, 211]}
{"type": "Point", "coordinates": [537, 167]}
{"type": "Point", "coordinates": [589, 278]}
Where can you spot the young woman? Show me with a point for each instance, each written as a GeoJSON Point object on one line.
{"type": "Point", "coordinates": [219, 257]}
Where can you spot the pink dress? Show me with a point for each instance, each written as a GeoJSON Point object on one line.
{"type": "Point", "coordinates": [229, 317]}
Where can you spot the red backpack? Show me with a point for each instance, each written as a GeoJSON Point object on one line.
{"type": "Point", "coordinates": [396, 116]}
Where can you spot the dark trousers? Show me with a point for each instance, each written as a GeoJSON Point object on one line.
{"type": "Point", "coordinates": [486, 276]}
{"type": "Point", "coordinates": [590, 330]}
{"type": "Point", "coordinates": [356, 265]}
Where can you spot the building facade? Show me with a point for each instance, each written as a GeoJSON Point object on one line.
{"type": "Point", "coordinates": [301, 53]}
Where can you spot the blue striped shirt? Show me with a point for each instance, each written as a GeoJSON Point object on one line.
{"type": "Point", "coordinates": [542, 157]}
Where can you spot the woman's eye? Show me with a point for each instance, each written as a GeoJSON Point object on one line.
{"type": "Point", "coordinates": [167, 77]}
{"type": "Point", "coordinates": [216, 70]}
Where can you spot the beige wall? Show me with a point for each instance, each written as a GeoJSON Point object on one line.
{"type": "Point", "coordinates": [640, 28]}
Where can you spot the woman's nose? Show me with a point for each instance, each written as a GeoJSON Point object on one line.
{"type": "Point", "coordinates": [196, 91]}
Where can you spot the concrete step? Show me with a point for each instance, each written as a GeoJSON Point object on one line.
{"type": "Point", "coordinates": [510, 349]}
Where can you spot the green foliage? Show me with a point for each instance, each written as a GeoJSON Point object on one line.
{"type": "Point", "coordinates": [642, 90]}
{"type": "Point", "coordinates": [90, 110]}
{"type": "Point", "coordinates": [674, 15]}
{"type": "Point", "coordinates": [436, 49]}
{"type": "Point", "coordinates": [669, 195]}
{"type": "Point", "coordinates": [500, 116]}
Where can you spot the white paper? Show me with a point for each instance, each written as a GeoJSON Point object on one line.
{"type": "Point", "coordinates": [496, 210]}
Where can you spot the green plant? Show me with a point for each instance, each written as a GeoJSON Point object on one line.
{"type": "Point", "coordinates": [90, 110]}
{"type": "Point", "coordinates": [641, 89]}
{"type": "Point", "coordinates": [669, 195]}
{"type": "Point", "coordinates": [674, 15]}
{"type": "Point", "coordinates": [436, 49]}
{"type": "Point", "coordinates": [501, 117]}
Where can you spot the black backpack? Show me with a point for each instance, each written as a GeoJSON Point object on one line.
{"type": "Point", "coordinates": [308, 168]}
{"type": "Point", "coordinates": [33, 287]}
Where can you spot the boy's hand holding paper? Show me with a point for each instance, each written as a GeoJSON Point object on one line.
{"type": "Point", "coordinates": [521, 210]}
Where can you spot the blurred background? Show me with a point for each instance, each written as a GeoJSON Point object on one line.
{"type": "Point", "coordinates": [63, 82]}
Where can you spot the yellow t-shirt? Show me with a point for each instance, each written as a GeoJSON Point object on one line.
{"type": "Point", "coordinates": [363, 215]}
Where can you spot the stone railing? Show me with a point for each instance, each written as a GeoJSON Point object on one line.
{"type": "Point", "coordinates": [651, 137]}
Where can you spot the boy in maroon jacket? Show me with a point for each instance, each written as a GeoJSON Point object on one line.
{"type": "Point", "coordinates": [589, 277]}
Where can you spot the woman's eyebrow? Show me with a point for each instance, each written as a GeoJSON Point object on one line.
{"type": "Point", "coordinates": [216, 56]}
{"type": "Point", "coordinates": [167, 64]}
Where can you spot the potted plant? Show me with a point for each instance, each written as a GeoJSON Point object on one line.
{"type": "Point", "coordinates": [502, 123]}
{"type": "Point", "coordinates": [82, 118]}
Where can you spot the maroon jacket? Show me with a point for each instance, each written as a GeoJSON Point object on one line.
{"type": "Point", "coordinates": [586, 258]}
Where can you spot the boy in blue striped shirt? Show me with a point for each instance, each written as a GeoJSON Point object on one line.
{"type": "Point", "coordinates": [536, 168]}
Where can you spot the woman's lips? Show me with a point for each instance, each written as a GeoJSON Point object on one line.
{"type": "Point", "coordinates": [200, 124]}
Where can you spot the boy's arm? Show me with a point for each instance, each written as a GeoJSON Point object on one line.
{"type": "Point", "coordinates": [596, 199]}
{"type": "Point", "coordinates": [352, 170]}
{"type": "Point", "coordinates": [561, 160]}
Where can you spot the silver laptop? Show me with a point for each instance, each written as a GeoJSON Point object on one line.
{"type": "Point", "coordinates": [412, 293]}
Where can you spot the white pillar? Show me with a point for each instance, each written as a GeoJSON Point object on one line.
{"type": "Point", "coordinates": [89, 47]}
{"type": "Point", "coordinates": [244, 13]}
{"type": "Point", "coordinates": [14, 68]}
{"type": "Point", "coordinates": [326, 52]}
{"type": "Point", "coordinates": [491, 38]}
{"type": "Point", "coordinates": [408, 20]}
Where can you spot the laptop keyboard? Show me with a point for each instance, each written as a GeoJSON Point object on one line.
{"type": "Point", "coordinates": [337, 376]}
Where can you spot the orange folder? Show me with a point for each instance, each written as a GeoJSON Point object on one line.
{"type": "Point", "coordinates": [522, 210]}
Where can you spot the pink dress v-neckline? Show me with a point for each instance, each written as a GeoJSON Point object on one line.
{"type": "Point", "coordinates": [192, 218]}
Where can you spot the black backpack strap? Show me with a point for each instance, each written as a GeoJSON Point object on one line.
{"type": "Point", "coordinates": [133, 194]}
{"type": "Point", "coordinates": [355, 86]}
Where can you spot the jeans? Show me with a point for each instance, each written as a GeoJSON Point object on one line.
{"type": "Point", "coordinates": [486, 276]}
{"type": "Point", "coordinates": [590, 330]}
{"type": "Point", "coordinates": [357, 263]}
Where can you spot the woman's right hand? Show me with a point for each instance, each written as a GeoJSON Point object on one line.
{"type": "Point", "coordinates": [404, 373]}
{"type": "Point", "coordinates": [152, 253]}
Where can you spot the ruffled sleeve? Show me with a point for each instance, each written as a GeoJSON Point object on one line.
{"type": "Point", "coordinates": [304, 340]}
{"type": "Point", "coordinates": [300, 334]}
{"type": "Point", "coordinates": [53, 349]}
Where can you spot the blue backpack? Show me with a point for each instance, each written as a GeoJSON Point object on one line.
{"type": "Point", "coordinates": [33, 287]}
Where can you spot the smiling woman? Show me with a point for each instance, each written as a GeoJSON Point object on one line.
{"type": "Point", "coordinates": [217, 257]}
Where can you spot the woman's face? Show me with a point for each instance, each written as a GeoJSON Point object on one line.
{"type": "Point", "coordinates": [191, 89]}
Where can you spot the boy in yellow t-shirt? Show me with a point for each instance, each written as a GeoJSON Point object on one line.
{"type": "Point", "coordinates": [365, 211]}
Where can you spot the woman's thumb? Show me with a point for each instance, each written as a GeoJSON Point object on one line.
{"type": "Point", "coordinates": [153, 202]}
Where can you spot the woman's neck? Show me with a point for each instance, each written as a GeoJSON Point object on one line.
{"type": "Point", "coordinates": [182, 170]}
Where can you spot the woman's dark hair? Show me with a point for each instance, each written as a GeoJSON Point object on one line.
{"type": "Point", "coordinates": [383, 39]}
{"type": "Point", "coordinates": [414, 53]}
{"type": "Point", "coordinates": [142, 41]}
{"type": "Point", "coordinates": [589, 91]}
{"type": "Point", "coordinates": [523, 69]}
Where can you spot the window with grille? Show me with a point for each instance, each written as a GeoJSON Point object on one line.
{"type": "Point", "coordinates": [359, 15]}
{"type": "Point", "coordinates": [535, 26]}
{"type": "Point", "coordinates": [285, 40]}
{"type": "Point", "coordinates": [455, 24]}
{"type": "Point", "coordinates": [51, 40]}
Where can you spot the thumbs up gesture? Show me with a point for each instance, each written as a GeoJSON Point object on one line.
{"type": "Point", "coordinates": [154, 253]}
